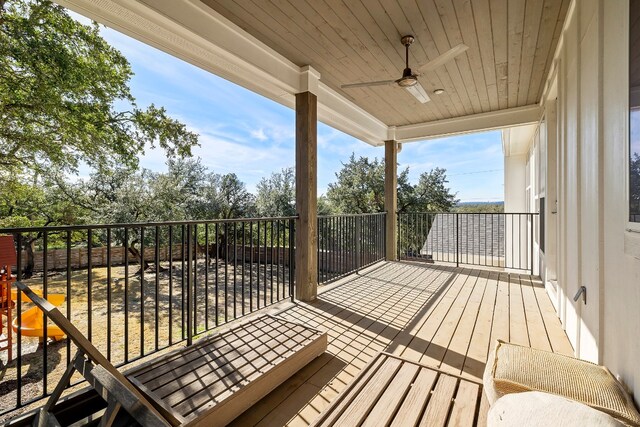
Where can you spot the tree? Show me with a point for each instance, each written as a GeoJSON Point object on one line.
{"type": "Point", "coordinates": [431, 194]}
{"type": "Point", "coordinates": [360, 187]}
{"type": "Point", "coordinates": [276, 195]}
{"type": "Point", "coordinates": [65, 100]}
{"type": "Point", "coordinates": [34, 202]}
{"type": "Point", "coordinates": [226, 197]}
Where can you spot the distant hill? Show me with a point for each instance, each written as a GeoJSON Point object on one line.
{"type": "Point", "coordinates": [485, 207]}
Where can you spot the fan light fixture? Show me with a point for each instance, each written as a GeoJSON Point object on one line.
{"type": "Point", "coordinates": [409, 79]}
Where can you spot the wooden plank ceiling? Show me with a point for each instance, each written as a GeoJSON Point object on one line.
{"type": "Point", "coordinates": [511, 45]}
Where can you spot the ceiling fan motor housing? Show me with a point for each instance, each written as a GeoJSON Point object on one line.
{"type": "Point", "coordinates": [407, 79]}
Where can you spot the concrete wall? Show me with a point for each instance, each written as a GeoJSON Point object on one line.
{"type": "Point", "coordinates": [587, 175]}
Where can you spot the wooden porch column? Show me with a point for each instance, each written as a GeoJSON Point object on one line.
{"type": "Point", "coordinates": [306, 260]}
{"type": "Point", "coordinates": [391, 198]}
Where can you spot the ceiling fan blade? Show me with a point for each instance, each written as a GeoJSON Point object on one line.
{"type": "Point", "coordinates": [418, 91]}
{"type": "Point", "coordinates": [444, 58]}
{"type": "Point", "coordinates": [378, 83]}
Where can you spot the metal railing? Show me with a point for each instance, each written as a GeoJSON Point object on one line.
{"type": "Point", "coordinates": [135, 289]}
{"type": "Point", "coordinates": [347, 243]}
{"type": "Point", "coordinates": [485, 239]}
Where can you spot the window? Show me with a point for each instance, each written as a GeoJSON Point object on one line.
{"type": "Point", "coordinates": [634, 111]}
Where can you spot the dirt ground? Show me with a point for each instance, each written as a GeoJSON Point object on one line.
{"type": "Point", "coordinates": [118, 331]}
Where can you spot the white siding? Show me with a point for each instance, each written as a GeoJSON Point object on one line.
{"type": "Point", "coordinates": [586, 173]}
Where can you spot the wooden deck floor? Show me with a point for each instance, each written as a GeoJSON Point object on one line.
{"type": "Point", "coordinates": [440, 316]}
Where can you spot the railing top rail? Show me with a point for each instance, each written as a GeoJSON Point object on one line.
{"type": "Point", "coordinates": [467, 213]}
{"type": "Point", "coordinates": [352, 215]}
{"type": "Point", "coordinates": [137, 224]}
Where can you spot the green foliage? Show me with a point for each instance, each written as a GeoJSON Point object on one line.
{"type": "Point", "coordinates": [431, 194]}
{"type": "Point", "coordinates": [360, 189]}
{"type": "Point", "coordinates": [497, 207]}
{"type": "Point", "coordinates": [64, 97]}
{"type": "Point", "coordinates": [276, 195]}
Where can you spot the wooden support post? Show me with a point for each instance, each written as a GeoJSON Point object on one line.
{"type": "Point", "coordinates": [391, 198]}
{"type": "Point", "coordinates": [306, 255]}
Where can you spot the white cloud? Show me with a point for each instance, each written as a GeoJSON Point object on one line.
{"type": "Point", "coordinates": [259, 134]}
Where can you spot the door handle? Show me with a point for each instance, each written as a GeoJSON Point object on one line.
{"type": "Point", "coordinates": [582, 291]}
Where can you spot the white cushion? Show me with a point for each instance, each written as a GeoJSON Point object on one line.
{"type": "Point", "coordinates": [536, 409]}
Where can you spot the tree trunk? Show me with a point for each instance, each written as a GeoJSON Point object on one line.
{"type": "Point", "coordinates": [29, 266]}
{"type": "Point", "coordinates": [144, 265]}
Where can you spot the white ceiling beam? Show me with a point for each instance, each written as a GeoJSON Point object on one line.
{"type": "Point", "coordinates": [468, 124]}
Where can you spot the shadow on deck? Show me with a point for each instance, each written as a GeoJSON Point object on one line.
{"type": "Point", "coordinates": [440, 316]}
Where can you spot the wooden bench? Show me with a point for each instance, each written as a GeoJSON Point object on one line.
{"type": "Point", "coordinates": [208, 383]}
{"type": "Point", "coordinates": [215, 380]}
{"type": "Point", "coordinates": [394, 392]}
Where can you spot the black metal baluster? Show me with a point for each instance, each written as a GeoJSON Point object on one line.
{"type": "Point", "coordinates": [157, 287]}
{"type": "Point", "coordinates": [68, 246]}
{"type": "Point", "coordinates": [264, 282]}
{"type": "Point", "coordinates": [226, 272]}
{"type": "Point", "coordinates": [271, 262]}
{"type": "Point", "coordinates": [193, 261]}
{"type": "Point", "coordinates": [278, 260]}
{"type": "Point", "coordinates": [109, 293]}
{"type": "Point", "coordinates": [250, 266]}
{"type": "Point", "coordinates": [206, 276]}
{"type": "Point", "coordinates": [292, 264]}
{"type": "Point", "coordinates": [190, 304]}
{"type": "Point", "coordinates": [142, 264]}
{"type": "Point", "coordinates": [182, 279]}
{"type": "Point", "coordinates": [89, 282]}
{"type": "Point", "coordinates": [126, 295]}
{"type": "Point", "coordinates": [258, 269]}
{"type": "Point", "coordinates": [19, 317]}
{"type": "Point", "coordinates": [217, 274]}
{"type": "Point", "coordinates": [235, 269]}
{"type": "Point", "coordinates": [170, 285]}
{"type": "Point", "coordinates": [244, 264]}
{"type": "Point", "coordinates": [45, 292]}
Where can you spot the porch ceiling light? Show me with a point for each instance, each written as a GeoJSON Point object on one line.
{"type": "Point", "coordinates": [438, 91]}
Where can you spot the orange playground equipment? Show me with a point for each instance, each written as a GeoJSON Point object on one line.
{"type": "Point", "coordinates": [32, 319]}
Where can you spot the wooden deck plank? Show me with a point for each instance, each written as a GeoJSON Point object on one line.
{"type": "Point", "coordinates": [419, 343]}
{"type": "Point", "coordinates": [384, 410]}
{"type": "Point", "coordinates": [457, 349]}
{"type": "Point", "coordinates": [535, 325]}
{"type": "Point", "coordinates": [500, 325]}
{"type": "Point", "coordinates": [464, 407]}
{"type": "Point", "coordinates": [440, 342]}
{"type": "Point", "coordinates": [358, 410]}
{"type": "Point", "coordinates": [476, 358]}
{"type": "Point", "coordinates": [438, 407]}
{"type": "Point", "coordinates": [557, 336]}
{"type": "Point", "coordinates": [416, 400]}
{"type": "Point", "coordinates": [403, 341]}
{"type": "Point", "coordinates": [400, 308]}
{"type": "Point", "coordinates": [518, 332]}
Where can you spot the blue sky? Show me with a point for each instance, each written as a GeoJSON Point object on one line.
{"type": "Point", "coordinates": [252, 136]}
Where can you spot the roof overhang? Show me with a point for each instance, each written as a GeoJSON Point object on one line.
{"type": "Point", "coordinates": [189, 30]}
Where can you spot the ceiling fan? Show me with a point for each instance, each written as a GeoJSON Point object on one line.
{"type": "Point", "coordinates": [409, 79]}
